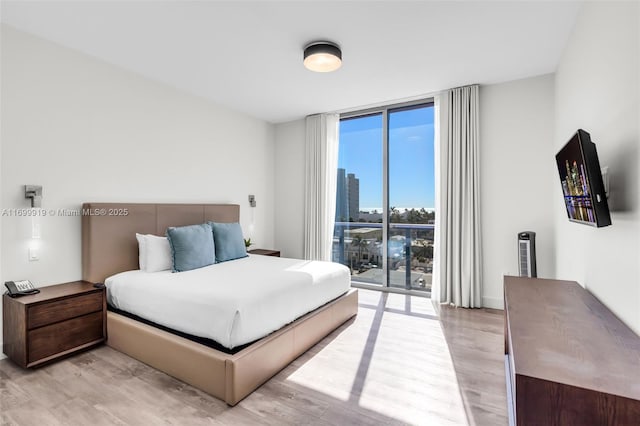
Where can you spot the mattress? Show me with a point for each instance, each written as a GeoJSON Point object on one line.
{"type": "Point", "coordinates": [232, 303]}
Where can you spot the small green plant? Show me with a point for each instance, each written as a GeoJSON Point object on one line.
{"type": "Point", "coordinates": [247, 242]}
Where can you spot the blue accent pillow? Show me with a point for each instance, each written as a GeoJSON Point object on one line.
{"type": "Point", "coordinates": [228, 240]}
{"type": "Point", "coordinates": [192, 247]}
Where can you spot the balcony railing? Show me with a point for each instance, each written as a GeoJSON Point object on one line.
{"type": "Point", "coordinates": [358, 245]}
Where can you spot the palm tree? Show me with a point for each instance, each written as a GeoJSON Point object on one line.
{"type": "Point", "coordinates": [423, 252]}
{"type": "Point", "coordinates": [357, 241]}
{"type": "Point", "coordinates": [413, 216]}
{"type": "Point", "coordinates": [364, 244]}
{"type": "Point", "coordinates": [394, 215]}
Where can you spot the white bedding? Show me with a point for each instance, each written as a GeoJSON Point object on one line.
{"type": "Point", "coordinates": [233, 302]}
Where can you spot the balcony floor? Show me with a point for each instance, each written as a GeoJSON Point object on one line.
{"type": "Point", "coordinates": [397, 278]}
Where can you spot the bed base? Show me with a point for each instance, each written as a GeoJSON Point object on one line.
{"type": "Point", "coordinates": [109, 246]}
{"type": "Point", "coordinates": [229, 377]}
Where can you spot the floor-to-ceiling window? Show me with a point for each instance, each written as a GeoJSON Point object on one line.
{"type": "Point", "coordinates": [385, 201]}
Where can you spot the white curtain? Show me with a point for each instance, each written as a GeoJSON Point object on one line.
{"type": "Point", "coordinates": [458, 263]}
{"type": "Point", "coordinates": [320, 185]}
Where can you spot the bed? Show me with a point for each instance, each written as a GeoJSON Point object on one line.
{"type": "Point", "coordinates": [109, 249]}
{"type": "Point", "coordinates": [228, 302]}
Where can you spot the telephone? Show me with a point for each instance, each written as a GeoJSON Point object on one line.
{"type": "Point", "coordinates": [20, 288]}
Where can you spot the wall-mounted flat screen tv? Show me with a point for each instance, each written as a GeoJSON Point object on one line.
{"type": "Point", "coordinates": [582, 185]}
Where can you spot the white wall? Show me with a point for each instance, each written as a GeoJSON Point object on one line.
{"type": "Point", "coordinates": [88, 131]}
{"type": "Point", "coordinates": [517, 178]}
{"type": "Point", "coordinates": [597, 89]}
{"type": "Point", "coordinates": [289, 184]}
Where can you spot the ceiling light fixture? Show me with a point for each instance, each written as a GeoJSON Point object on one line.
{"type": "Point", "coordinates": [322, 56]}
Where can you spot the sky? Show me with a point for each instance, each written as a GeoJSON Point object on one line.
{"type": "Point", "coordinates": [411, 157]}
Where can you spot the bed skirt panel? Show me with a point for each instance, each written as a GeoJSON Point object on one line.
{"type": "Point", "coordinates": [229, 377]}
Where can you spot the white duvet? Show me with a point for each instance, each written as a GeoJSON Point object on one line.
{"type": "Point", "coordinates": [234, 302]}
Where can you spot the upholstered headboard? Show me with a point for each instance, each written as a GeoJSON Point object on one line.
{"type": "Point", "coordinates": [109, 231]}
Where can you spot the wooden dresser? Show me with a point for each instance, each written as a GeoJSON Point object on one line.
{"type": "Point", "coordinates": [570, 361]}
{"type": "Point", "coordinates": [59, 320]}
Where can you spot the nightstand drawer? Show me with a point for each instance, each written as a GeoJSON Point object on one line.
{"type": "Point", "coordinates": [63, 336]}
{"type": "Point", "coordinates": [49, 313]}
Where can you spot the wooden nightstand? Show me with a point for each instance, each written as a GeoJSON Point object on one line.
{"type": "Point", "coordinates": [265, 252]}
{"type": "Point", "coordinates": [58, 321]}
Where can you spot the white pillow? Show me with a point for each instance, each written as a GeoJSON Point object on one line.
{"type": "Point", "coordinates": [142, 251]}
{"type": "Point", "coordinates": [154, 253]}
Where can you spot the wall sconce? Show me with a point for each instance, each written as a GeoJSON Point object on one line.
{"type": "Point", "coordinates": [34, 193]}
{"type": "Point", "coordinates": [252, 200]}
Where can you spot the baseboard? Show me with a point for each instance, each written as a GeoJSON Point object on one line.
{"type": "Point", "coordinates": [493, 302]}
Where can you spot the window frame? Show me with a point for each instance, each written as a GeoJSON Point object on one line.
{"type": "Point", "coordinates": [384, 110]}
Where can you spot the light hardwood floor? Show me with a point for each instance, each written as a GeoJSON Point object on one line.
{"type": "Point", "coordinates": [396, 363]}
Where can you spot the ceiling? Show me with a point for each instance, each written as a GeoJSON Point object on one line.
{"type": "Point", "coordinates": [247, 56]}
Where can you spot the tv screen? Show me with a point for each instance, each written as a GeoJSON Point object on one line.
{"type": "Point", "coordinates": [582, 186]}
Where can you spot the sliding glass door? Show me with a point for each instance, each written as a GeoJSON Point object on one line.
{"type": "Point", "coordinates": [385, 214]}
{"type": "Point", "coordinates": [358, 235]}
